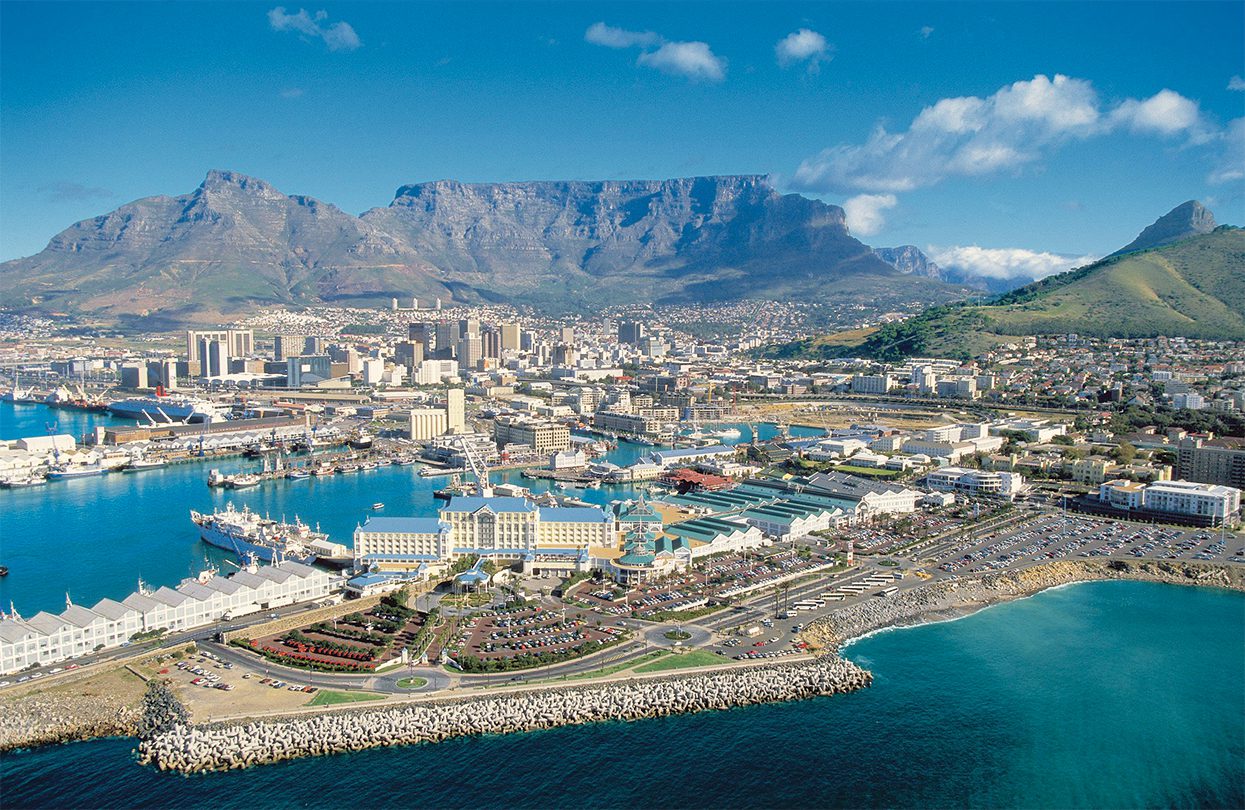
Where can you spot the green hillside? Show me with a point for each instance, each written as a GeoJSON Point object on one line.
{"type": "Point", "coordinates": [1194, 288]}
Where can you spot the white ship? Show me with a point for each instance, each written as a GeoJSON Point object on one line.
{"type": "Point", "coordinates": [167, 409]}
{"type": "Point", "coordinates": [244, 532]}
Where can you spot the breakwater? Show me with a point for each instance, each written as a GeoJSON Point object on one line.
{"type": "Point", "coordinates": [48, 719]}
{"type": "Point", "coordinates": [188, 749]}
{"type": "Point", "coordinates": [947, 599]}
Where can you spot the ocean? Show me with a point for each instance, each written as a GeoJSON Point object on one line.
{"type": "Point", "coordinates": [1108, 694]}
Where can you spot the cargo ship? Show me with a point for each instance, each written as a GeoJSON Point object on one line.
{"type": "Point", "coordinates": [243, 532]}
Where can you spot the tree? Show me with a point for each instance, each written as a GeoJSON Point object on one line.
{"type": "Point", "coordinates": [1124, 453]}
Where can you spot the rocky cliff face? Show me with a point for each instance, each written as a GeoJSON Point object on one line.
{"type": "Point", "coordinates": [237, 240]}
{"type": "Point", "coordinates": [909, 260]}
{"type": "Point", "coordinates": [1187, 219]}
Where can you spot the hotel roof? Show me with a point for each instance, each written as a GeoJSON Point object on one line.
{"type": "Point", "coordinates": [496, 503]}
{"type": "Point", "coordinates": [403, 525]}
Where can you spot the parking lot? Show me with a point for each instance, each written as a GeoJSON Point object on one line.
{"type": "Point", "coordinates": [529, 635]}
{"type": "Point", "coordinates": [1054, 536]}
{"type": "Point", "coordinates": [210, 687]}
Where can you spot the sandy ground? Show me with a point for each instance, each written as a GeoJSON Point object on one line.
{"type": "Point", "coordinates": [247, 695]}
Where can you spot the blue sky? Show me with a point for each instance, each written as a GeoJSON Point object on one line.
{"type": "Point", "coordinates": [995, 133]}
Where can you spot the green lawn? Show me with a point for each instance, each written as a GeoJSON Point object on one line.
{"type": "Point", "coordinates": [412, 683]}
{"type": "Point", "coordinates": [325, 698]}
{"type": "Point", "coordinates": [610, 670]}
{"type": "Point", "coordinates": [695, 658]}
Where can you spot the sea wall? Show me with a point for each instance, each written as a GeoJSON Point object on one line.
{"type": "Point", "coordinates": [950, 598]}
{"type": "Point", "coordinates": [189, 749]}
{"type": "Point", "coordinates": [44, 719]}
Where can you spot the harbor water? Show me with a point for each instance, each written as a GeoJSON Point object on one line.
{"type": "Point", "coordinates": [1109, 694]}
{"type": "Point", "coordinates": [95, 537]}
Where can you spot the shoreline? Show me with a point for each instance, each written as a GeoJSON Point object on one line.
{"type": "Point", "coordinates": [936, 602]}
{"type": "Point", "coordinates": [956, 599]}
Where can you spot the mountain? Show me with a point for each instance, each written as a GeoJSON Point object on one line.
{"type": "Point", "coordinates": [909, 260]}
{"type": "Point", "coordinates": [1191, 288]}
{"type": "Point", "coordinates": [1187, 219]}
{"type": "Point", "coordinates": [236, 242]}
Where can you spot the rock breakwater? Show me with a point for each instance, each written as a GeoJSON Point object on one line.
{"type": "Point", "coordinates": [190, 749]}
{"type": "Point", "coordinates": [51, 719]}
{"type": "Point", "coordinates": [949, 598]}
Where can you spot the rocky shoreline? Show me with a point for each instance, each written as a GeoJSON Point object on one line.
{"type": "Point", "coordinates": [953, 598]}
{"type": "Point", "coordinates": [52, 719]}
{"type": "Point", "coordinates": [190, 749]}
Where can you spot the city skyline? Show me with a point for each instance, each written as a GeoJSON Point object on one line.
{"type": "Point", "coordinates": [1045, 152]}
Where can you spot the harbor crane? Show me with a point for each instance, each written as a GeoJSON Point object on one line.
{"type": "Point", "coordinates": [479, 468]}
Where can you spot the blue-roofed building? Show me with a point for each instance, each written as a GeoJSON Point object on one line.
{"type": "Point", "coordinates": [396, 544]}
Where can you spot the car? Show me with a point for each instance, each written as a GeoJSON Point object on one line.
{"type": "Point", "coordinates": [35, 675]}
{"type": "Point", "coordinates": [246, 675]}
{"type": "Point", "coordinates": [71, 666]}
{"type": "Point", "coordinates": [55, 670]}
{"type": "Point", "coordinates": [6, 683]}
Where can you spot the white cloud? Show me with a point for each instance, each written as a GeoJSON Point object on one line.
{"type": "Point", "coordinates": [292, 92]}
{"type": "Point", "coordinates": [1231, 166]}
{"type": "Point", "coordinates": [800, 46]}
{"type": "Point", "coordinates": [1005, 263]}
{"type": "Point", "coordinates": [338, 36]}
{"type": "Point", "coordinates": [1166, 113]}
{"type": "Point", "coordinates": [1236, 83]}
{"type": "Point", "coordinates": [864, 212]}
{"type": "Point", "coordinates": [971, 136]}
{"type": "Point", "coordinates": [926, 31]}
{"type": "Point", "coordinates": [693, 60]}
{"type": "Point", "coordinates": [611, 37]}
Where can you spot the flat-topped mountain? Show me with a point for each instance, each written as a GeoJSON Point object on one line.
{"type": "Point", "coordinates": [237, 242]}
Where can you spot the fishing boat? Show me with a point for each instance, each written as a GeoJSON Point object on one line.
{"type": "Point", "coordinates": [245, 481]}
{"type": "Point", "coordinates": [297, 475]}
{"type": "Point", "coordinates": [22, 483]}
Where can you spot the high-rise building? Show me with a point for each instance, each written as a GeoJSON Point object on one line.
{"type": "Point", "coordinates": [490, 342]}
{"type": "Point", "coordinates": [1212, 461]}
{"type": "Point", "coordinates": [313, 345]}
{"type": "Point", "coordinates": [284, 346]}
{"type": "Point", "coordinates": [468, 326]}
{"type": "Point", "coordinates": [409, 353]}
{"type": "Point", "coordinates": [470, 350]}
{"type": "Point", "coordinates": [447, 340]}
{"type": "Point", "coordinates": [423, 334]}
{"type": "Point", "coordinates": [456, 410]}
{"type": "Point", "coordinates": [134, 375]}
{"type": "Point", "coordinates": [213, 356]}
{"type": "Point", "coordinates": [542, 436]}
{"type": "Point", "coordinates": [510, 337]}
{"type": "Point", "coordinates": [568, 335]}
{"type": "Point", "coordinates": [631, 332]}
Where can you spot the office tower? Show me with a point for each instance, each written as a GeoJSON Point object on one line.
{"type": "Point", "coordinates": [447, 340]}
{"type": "Point", "coordinates": [470, 350]}
{"type": "Point", "coordinates": [313, 345]}
{"type": "Point", "coordinates": [456, 410]}
{"type": "Point", "coordinates": [510, 337]}
{"type": "Point", "coordinates": [631, 332]}
{"type": "Point", "coordinates": [568, 335]}
{"type": "Point", "coordinates": [468, 326]}
{"type": "Point", "coordinates": [490, 342]}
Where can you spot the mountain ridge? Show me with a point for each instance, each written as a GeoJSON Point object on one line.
{"type": "Point", "coordinates": [237, 241]}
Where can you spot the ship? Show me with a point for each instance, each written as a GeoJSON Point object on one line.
{"type": "Point", "coordinates": [75, 471]}
{"type": "Point", "coordinates": [166, 409]}
{"type": "Point", "coordinates": [244, 532]}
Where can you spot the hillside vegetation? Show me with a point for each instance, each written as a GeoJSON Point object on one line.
{"type": "Point", "coordinates": [1194, 288]}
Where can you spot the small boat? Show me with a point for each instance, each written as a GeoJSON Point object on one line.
{"type": "Point", "coordinates": [594, 485]}
{"type": "Point", "coordinates": [297, 475]}
{"type": "Point", "coordinates": [4, 570]}
{"type": "Point", "coordinates": [140, 464]}
{"type": "Point", "coordinates": [378, 505]}
{"type": "Point", "coordinates": [81, 471]}
{"type": "Point", "coordinates": [244, 481]}
{"type": "Point", "coordinates": [348, 468]}
{"type": "Point", "coordinates": [22, 483]}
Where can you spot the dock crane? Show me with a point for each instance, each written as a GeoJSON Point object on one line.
{"type": "Point", "coordinates": [479, 468]}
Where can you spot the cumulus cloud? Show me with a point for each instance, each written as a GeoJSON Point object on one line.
{"type": "Point", "coordinates": [800, 46]}
{"type": "Point", "coordinates": [1005, 263]}
{"type": "Point", "coordinates": [338, 36]}
{"type": "Point", "coordinates": [864, 212]}
{"type": "Point", "coordinates": [692, 60]}
{"type": "Point", "coordinates": [1165, 113]}
{"type": "Point", "coordinates": [1236, 83]}
{"type": "Point", "coordinates": [695, 60]}
{"type": "Point", "coordinates": [973, 136]}
{"type": "Point", "coordinates": [611, 37]}
{"type": "Point", "coordinates": [926, 31]}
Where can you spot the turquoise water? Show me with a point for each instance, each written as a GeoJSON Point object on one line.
{"type": "Point", "coordinates": [23, 421]}
{"type": "Point", "coordinates": [95, 537]}
{"type": "Point", "coordinates": [1110, 694]}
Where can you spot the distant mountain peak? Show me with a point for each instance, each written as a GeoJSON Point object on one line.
{"type": "Point", "coordinates": [1190, 218]}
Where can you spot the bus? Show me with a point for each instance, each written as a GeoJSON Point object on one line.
{"type": "Point", "coordinates": [885, 592]}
